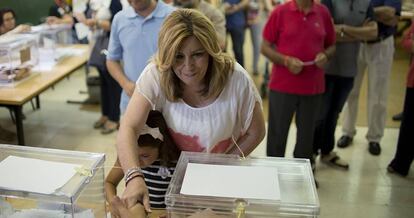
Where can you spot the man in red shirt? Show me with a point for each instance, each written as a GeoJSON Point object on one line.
{"type": "Point", "coordinates": [299, 38]}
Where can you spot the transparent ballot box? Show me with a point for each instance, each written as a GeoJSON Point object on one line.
{"type": "Point", "coordinates": [51, 183]}
{"type": "Point", "coordinates": [50, 38]}
{"type": "Point", "coordinates": [50, 35]}
{"type": "Point", "coordinates": [18, 53]}
{"type": "Point", "coordinates": [221, 185]}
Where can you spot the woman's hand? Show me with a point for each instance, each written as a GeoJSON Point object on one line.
{"type": "Point", "coordinates": [52, 20]}
{"type": "Point", "coordinates": [321, 59]}
{"type": "Point", "coordinates": [22, 28]}
{"type": "Point", "coordinates": [294, 65]}
{"type": "Point", "coordinates": [121, 211]}
{"type": "Point", "coordinates": [136, 191]}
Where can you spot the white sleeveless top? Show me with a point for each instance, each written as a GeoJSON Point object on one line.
{"type": "Point", "coordinates": [209, 128]}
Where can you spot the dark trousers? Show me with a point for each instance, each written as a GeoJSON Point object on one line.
{"type": "Point", "coordinates": [281, 109]}
{"type": "Point", "coordinates": [405, 148]}
{"type": "Point", "coordinates": [337, 89]}
{"type": "Point", "coordinates": [110, 95]}
{"type": "Point", "coordinates": [237, 38]}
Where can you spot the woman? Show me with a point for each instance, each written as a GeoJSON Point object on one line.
{"type": "Point", "coordinates": [208, 100]}
{"type": "Point", "coordinates": [100, 24]}
{"type": "Point", "coordinates": [8, 22]}
{"type": "Point", "coordinates": [299, 38]}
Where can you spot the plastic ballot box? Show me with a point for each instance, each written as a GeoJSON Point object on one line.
{"type": "Point", "coordinates": [220, 185]}
{"type": "Point", "coordinates": [18, 53]}
{"type": "Point", "coordinates": [41, 182]}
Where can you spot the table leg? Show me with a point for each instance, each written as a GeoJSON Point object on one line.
{"type": "Point", "coordinates": [19, 124]}
{"type": "Point", "coordinates": [37, 102]}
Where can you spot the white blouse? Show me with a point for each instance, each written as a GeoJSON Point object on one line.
{"type": "Point", "coordinates": [209, 128]}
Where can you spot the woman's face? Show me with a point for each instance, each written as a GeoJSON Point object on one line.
{"type": "Point", "coordinates": [147, 155]}
{"type": "Point", "coordinates": [191, 63]}
{"type": "Point", "coordinates": [9, 21]}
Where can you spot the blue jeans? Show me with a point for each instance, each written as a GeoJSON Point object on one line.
{"type": "Point", "coordinates": [337, 89]}
{"type": "Point", "coordinates": [237, 38]}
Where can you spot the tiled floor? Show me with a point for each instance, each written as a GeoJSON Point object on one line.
{"type": "Point", "coordinates": [366, 190]}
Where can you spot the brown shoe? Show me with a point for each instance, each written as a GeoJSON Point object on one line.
{"type": "Point", "coordinates": [100, 123]}
{"type": "Point", "coordinates": [109, 127]}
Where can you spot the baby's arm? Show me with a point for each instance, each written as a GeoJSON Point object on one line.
{"type": "Point", "coordinates": [111, 182]}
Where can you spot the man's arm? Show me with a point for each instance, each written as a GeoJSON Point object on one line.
{"type": "Point", "coordinates": [386, 15]}
{"type": "Point", "coordinates": [233, 8]}
{"type": "Point", "coordinates": [115, 69]}
{"type": "Point", "coordinates": [293, 64]}
{"type": "Point", "coordinates": [368, 31]}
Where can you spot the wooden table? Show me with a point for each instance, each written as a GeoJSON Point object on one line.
{"type": "Point", "coordinates": [14, 98]}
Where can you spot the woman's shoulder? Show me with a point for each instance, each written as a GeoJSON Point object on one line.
{"type": "Point", "coordinates": [239, 74]}
{"type": "Point", "coordinates": [151, 71]}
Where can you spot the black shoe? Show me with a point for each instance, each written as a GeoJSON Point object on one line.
{"type": "Point", "coordinates": [393, 170]}
{"type": "Point", "coordinates": [397, 117]}
{"type": "Point", "coordinates": [374, 148]}
{"type": "Point", "coordinates": [344, 141]}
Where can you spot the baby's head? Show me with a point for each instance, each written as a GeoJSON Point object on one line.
{"type": "Point", "coordinates": [155, 142]}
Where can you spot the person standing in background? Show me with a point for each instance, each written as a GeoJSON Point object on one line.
{"type": "Point", "coordinates": [299, 38]}
{"type": "Point", "coordinates": [235, 25]}
{"type": "Point", "coordinates": [100, 24]}
{"type": "Point", "coordinates": [133, 40]}
{"type": "Point", "coordinates": [353, 23]}
{"type": "Point", "coordinates": [377, 55]}
{"type": "Point", "coordinates": [255, 16]}
{"type": "Point", "coordinates": [212, 13]}
{"type": "Point", "coordinates": [404, 154]}
{"type": "Point", "coordinates": [60, 13]}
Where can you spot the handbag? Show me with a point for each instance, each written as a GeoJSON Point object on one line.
{"type": "Point", "coordinates": [98, 54]}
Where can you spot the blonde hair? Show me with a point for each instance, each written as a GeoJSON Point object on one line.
{"type": "Point", "coordinates": [178, 26]}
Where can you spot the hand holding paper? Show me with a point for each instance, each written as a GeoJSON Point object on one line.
{"type": "Point", "coordinates": [321, 59]}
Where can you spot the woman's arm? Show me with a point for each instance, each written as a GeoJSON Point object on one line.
{"type": "Point", "coordinates": [254, 134]}
{"type": "Point", "coordinates": [131, 123]}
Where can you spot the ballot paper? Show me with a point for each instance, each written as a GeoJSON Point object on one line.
{"type": "Point", "coordinates": [308, 63]}
{"type": "Point", "coordinates": [34, 175]}
{"type": "Point", "coordinates": [248, 182]}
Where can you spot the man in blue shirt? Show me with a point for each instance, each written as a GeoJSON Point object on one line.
{"type": "Point", "coordinates": [377, 56]}
{"type": "Point", "coordinates": [134, 37]}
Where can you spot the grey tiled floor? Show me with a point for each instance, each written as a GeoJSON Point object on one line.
{"type": "Point", "coordinates": [366, 190]}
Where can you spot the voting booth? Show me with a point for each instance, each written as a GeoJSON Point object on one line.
{"type": "Point", "coordinates": [18, 54]}
{"type": "Point", "coordinates": [40, 182]}
{"type": "Point", "coordinates": [229, 186]}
